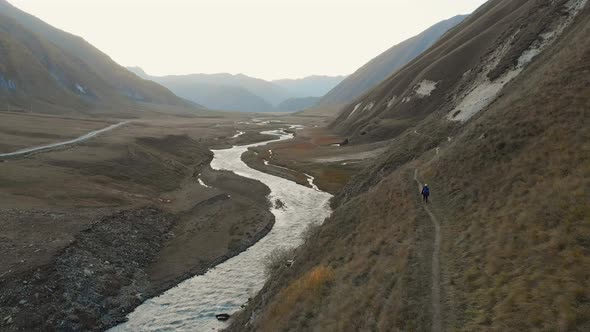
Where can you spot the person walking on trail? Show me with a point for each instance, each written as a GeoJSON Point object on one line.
{"type": "Point", "coordinates": [425, 193]}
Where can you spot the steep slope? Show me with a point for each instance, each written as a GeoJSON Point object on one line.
{"type": "Point", "coordinates": [51, 67]}
{"type": "Point", "coordinates": [462, 73]}
{"type": "Point", "coordinates": [22, 74]}
{"type": "Point", "coordinates": [509, 188]}
{"type": "Point", "coordinates": [375, 71]}
{"type": "Point", "coordinates": [311, 86]}
{"type": "Point", "coordinates": [297, 104]}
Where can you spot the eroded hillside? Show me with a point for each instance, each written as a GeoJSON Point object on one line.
{"type": "Point", "coordinates": [382, 66]}
{"type": "Point", "coordinates": [494, 118]}
{"type": "Point", "coordinates": [462, 73]}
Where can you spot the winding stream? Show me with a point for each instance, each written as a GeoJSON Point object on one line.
{"type": "Point", "coordinates": [192, 305]}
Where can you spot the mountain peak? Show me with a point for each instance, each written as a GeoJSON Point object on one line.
{"type": "Point", "coordinates": [137, 71]}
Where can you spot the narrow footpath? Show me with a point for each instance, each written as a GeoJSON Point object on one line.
{"type": "Point", "coordinates": [436, 310]}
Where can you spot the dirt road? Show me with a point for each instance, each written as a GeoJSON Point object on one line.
{"type": "Point", "coordinates": [49, 147]}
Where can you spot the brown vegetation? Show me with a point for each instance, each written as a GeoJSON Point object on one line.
{"type": "Point", "coordinates": [62, 205]}
{"type": "Point", "coordinates": [303, 154]}
{"type": "Point", "coordinates": [515, 192]}
{"type": "Point", "coordinates": [510, 189]}
{"type": "Point", "coordinates": [19, 131]}
{"type": "Point", "coordinates": [305, 291]}
{"type": "Point", "coordinates": [381, 268]}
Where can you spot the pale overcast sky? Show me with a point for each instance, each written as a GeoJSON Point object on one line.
{"type": "Point", "coordinates": [269, 39]}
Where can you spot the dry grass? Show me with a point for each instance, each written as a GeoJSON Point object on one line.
{"type": "Point", "coordinates": [518, 248]}
{"type": "Point", "coordinates": [511, 190]}
{"type": "Point", "coordinates": [332, 178]}
{"type": "Point", "coordinates": [131, 166]}
{"type": "Point", "coordinates": [369, 245]}
{"type": "Point", "coordinates": [19, 131]}
{"type": "Point", "coordinates": [310, 153]}
{"type": "Point", "coordinates": [307, 289]}
{"type": "Point", "coordinates": [328, 177]}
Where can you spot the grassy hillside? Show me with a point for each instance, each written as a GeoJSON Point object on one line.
{"type": "Point", "coordinates": [510, 187]}
{"type": "Point", "coordinates": [23, 73]}
{"type": "Point", "coordinates": [58, 71]}
{"type": "Point", "coordinates": [381, 67]}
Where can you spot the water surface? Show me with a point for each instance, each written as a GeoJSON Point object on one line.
{"type": "Point", "coordinates": [192, 305]}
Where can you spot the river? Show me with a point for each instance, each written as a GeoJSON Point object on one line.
{"type": "Point", "coordinates": [193, 304]}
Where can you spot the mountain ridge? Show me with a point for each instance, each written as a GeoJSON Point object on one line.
{"type": "Point", "coordinates": [386, 63]}
{"type": "Point", "coordinates": [297, 104]}
{"type": "Point", "coordinates": [251, 92]}
{"type": "Point", "coordinates": [76, 76]}
{"type": "Point", "coordinates": [310, 86]}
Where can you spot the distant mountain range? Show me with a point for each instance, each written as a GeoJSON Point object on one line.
{"type": "Point", "coordinates": [54, 71]}
{"type": "Point", "coordinates": [248, 94]}
{"type": "Point", "coordinates": [243, 93]}
{"type": "Point", "coordinates": [297, 104]}
{"type": "Point", "coordinates": [311, 86]}
{"type": "Point", "coordinates": [381, 67]}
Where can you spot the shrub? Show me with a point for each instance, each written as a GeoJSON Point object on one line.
{"type": "Point", "coordinates": [277, 259]}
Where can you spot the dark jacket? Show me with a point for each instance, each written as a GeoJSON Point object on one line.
{"type": "Point", "coordinates": [425, 191]}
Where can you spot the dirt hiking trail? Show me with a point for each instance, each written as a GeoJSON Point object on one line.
{"type": "Point", "coordinates": [436, 315]}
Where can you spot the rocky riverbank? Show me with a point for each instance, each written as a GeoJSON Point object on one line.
{"type": "Point", "coordinates": [94, 281]}
{"type": "Point", "coordinates": [105, 273]}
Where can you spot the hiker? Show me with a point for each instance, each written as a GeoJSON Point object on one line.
{"type": "Point", "coordinates": [425, 193]}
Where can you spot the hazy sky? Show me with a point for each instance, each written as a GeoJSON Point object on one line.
{"type": "Point", "coordinates": [269, 39]}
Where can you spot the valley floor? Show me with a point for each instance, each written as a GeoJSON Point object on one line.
{"type": "Point", "coordinates": [316, 153]}
{"type": "Point", "coordinates": [92, 230]}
